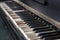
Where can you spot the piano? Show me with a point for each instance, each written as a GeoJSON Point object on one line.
{"type": "Point", "coordinates": [32, 20]}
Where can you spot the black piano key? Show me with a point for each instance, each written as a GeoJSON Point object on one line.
{"type": "Point", "coordinates": [34, 25]}
{"type": "Point", "coordinates": [28, 19]}
{"type": "Point", "coordinates": [50, 35]}
{"type": "Point", "coordinates": [42, 30]}
{"type": "Point", "coordinates": [53, 37]}
{"type": "Point", "coordinates": [32, 22]}
{"type": "Point", "coordinates": [54, 31]}
{"type": "Point", "coordinates": [40, 27]}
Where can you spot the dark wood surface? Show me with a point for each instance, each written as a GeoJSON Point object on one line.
{"type": "Point", "coordinates": [50, 10]}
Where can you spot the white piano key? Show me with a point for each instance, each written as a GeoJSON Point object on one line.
{"type": "Point", "coordinates": [32, 36]}
{"type": "Point", "coordinates": [18, 19]}
{"type": "Point", "coordinates": [18, 11]}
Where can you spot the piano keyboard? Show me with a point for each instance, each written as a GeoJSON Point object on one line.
{"type": "Point", "coordinates": [33, 26]}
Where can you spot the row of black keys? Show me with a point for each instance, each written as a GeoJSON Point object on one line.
{"type": "Point", "coordinates": [44, 29]}
{"type": "Point", "coordinates": [41, 27]}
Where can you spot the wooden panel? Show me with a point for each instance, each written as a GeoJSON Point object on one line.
{"type": "Point", "coordinates": [41, 2]}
